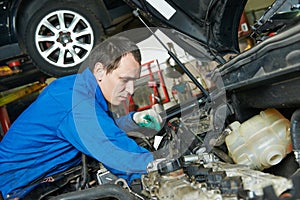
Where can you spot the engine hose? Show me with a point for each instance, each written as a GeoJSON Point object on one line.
{"type": "Point", "coordinates": [295, 133]}
{"type": "Point", "coordinates": [84, 172]}
{"type": "Point", "coordinates": [99, 192]}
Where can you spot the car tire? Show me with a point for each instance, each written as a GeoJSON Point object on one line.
{"type": "Point", "coordinates": [60, 36]}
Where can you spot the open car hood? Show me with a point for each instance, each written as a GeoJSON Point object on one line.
{"type": "Point", "coordinates": [212, 24]}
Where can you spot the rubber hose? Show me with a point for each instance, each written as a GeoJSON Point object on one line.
{"type": "Point", "coordinates": [84, 172]}
{"type": "Point", "coordinates": [295, 130]}
{"type": "Point", "coordinates": [99, 192]}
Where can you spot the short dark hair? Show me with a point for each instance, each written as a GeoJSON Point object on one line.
{"type": "Point", "coordinates": [110, 51]}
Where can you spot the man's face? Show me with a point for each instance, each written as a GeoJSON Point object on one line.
{"type": "Point", "coordinates": [119, 84]}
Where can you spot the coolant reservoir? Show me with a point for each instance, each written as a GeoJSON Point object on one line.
{"type": "Point", "coordinates": [260, 142]}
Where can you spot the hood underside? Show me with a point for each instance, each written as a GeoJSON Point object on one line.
{"type": "Point", "coordinates": [213, 24]}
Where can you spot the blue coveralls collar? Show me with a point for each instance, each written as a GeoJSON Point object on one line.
{"type": "Point", "coordinates": [93, 87]}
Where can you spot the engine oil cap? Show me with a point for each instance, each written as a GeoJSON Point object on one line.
{"type": "Point", "coordinates": [168, 166]}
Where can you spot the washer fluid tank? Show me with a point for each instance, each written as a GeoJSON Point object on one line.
{"type": "Point", "coordinates": [260, 142]}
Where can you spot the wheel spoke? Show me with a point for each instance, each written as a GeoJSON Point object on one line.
{"type": "Point", "coordinates": [73, 23]}
{"type": "Point", "coordinates": [43, 38]}
{"type": "Point", "coordinates": [61, 57]}
{"type": "Point", "coordinates": [85, 46]}
{"type": "Point", "coordinates": [86, 31]}
{"type": "Point", "coordinates": [61, 20]}
{"type": "Point", "coordinates": [50, 26]}
{"type": "Point", "coordinates": [74, 55]}
{"type": "Point", "coordinates": [50, 50]}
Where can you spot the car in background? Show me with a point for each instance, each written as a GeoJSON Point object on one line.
{"type": "Point", "coordinates": [55, 37]}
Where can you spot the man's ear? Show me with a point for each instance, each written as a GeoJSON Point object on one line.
{"type": "Point", "coordinates": [99, 71]}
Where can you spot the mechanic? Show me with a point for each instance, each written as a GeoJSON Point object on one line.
{"type": "Point", "coordinates": [72, 116]}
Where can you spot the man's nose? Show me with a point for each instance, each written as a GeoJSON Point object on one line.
{"type": "Point", "coordinates": [130, 87]}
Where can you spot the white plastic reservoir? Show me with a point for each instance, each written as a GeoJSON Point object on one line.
{"type": "Point", "coordinates": [260, 142]}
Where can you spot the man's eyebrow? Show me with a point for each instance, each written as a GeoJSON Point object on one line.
{"type": "Point", "coordinates": [128, 77]}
